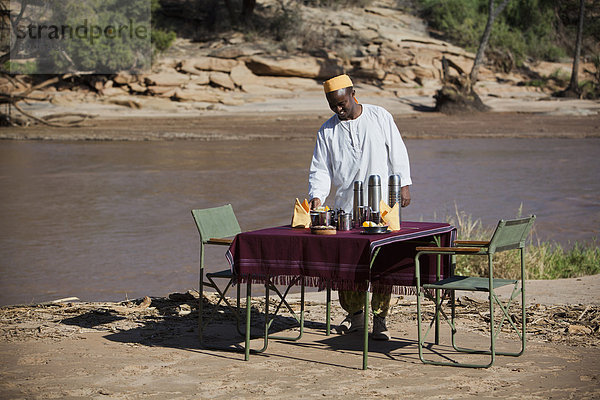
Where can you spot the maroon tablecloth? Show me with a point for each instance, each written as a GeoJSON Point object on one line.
{"type": "Point", "coordinates": [341, 260]}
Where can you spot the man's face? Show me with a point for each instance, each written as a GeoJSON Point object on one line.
{"type": "Point", "coordinates": [342, 102]}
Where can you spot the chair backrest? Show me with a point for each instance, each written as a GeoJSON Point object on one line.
{"type": "Point", "coordinates": [510, 234]}
{"type": "Point", "coordinates": [217, 222]}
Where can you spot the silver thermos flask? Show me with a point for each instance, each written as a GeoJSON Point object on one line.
{"type": "Point", "coordinates": [394, 190]}
{"type": "Point", "coordinates": [359, 200]}
{"type": "Point", "coordinates": [374, 192]}
{"type": "Point", "coordinates": [394, 193]}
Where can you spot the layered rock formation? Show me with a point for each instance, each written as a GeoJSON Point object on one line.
{"type": "Point", "coordinates": [378, 45]}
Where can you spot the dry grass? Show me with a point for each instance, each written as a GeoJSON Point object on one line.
{"type": "Point", "coordinates": [543, 260]}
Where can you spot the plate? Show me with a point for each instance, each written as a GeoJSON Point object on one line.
{"type": "Point", "coordinates": [371, 230]}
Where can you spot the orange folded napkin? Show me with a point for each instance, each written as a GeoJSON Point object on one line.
{"type": "Point", "coordinates": [301, 217]}
{"type": "Point", "coordinates": [391, 216]}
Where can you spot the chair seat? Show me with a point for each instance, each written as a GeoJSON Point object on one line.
{"type": "Point", "coordinates": [226, 273]}
{"type": "Point", "coordinates": [470, 283]}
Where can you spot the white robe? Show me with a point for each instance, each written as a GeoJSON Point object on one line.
{"type": "Point", "coordinates": [347, 151]}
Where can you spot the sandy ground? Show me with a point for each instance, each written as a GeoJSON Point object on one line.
{"type": "Point", "coordinates": [150, 349]}
{"type": "Point", "coordinates": [514, 114]}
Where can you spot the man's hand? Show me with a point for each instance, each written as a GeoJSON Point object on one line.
{"type": "Point", "coordinates": [405, 193]}
{"type": "Point", "coordinates": [315, 203]}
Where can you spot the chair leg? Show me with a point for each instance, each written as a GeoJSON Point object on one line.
{"type": "Point", "coordinates": [523, 312]}
{"type": "Point", "coordinates": [223, 299]}
{"type": "Point", "coordinates": [507, 317]}
{"type": "Point", "coordinates": [200, 305]}
{"type": "Point", "coordinates": [203, 322]}
{"type": "Point", "coordinates": [494, 329]}
{"type": "Point", "coordinates": [419, 294]}
{"type": "Point", "coordinates": [247, 333]}
{"type": "Point", "coordinates": [421, 338]}
{"type": "Point", "coordinates": [328, 312]}
{"type": "Point", "coordinates": [299, 319]}
{"type": "Point", "coordinates": [419, 329]}
{"type": "Point", "coordinates": [492, 334]}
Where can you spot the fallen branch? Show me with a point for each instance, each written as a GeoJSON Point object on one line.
{"type": "Point", "coordinates": [67, 115]}
{"type": "Point", "coordinates": [53, 124]}
{"type": "Point", "coordinates": [12, 99]}
{"type": "Point", "coordinates": [583, 313]}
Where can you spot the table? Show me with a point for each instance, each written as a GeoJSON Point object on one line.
{"type": "Point", "coordinates": [348, 260]}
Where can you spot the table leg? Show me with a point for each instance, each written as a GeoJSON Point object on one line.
{"type": "Point", "coordinates": [366, 331]}
{"type": "Point", "coordinates": [438, 242]}
{"type": "Point", "coordinates": [248, 313]}
{"type": "Point", "coordinates": [366, 312]}
{"type": "Point", "coordinates": [328, 323]}
{"type": "Point", "coordinates": [267, 324]}
{"type": "Point", "coordinates": [437, 303]}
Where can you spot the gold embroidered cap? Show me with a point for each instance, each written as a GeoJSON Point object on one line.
{"type": "Point", "coordinates": [336, 83]}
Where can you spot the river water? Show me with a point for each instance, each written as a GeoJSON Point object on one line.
{"type": "Point", "coordinates": [111, 220]}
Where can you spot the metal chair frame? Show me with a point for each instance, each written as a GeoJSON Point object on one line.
{"type": "Point", "coordinates": [509, 235]}
{"type": "Point", "coordinates": [216, 226]}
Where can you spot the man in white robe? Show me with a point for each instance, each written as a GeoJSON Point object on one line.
{"type": "Point", "coordinates": [358, 141]}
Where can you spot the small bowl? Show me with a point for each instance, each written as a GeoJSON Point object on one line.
{"type": "Point", "coordinates": [371, 230]}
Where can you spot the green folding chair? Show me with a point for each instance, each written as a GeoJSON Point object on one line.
{"type": "Point", "coordinates": [509, 235]}
{"type": "Point", "coordinates": [218, 226]}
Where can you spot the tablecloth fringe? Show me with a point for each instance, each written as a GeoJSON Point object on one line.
{"type": "Point", "coordinates": [404, 290]}
{"type": "Point", "coordinates": [409, 291]}
{"type": "Point", "coordinates": [310, 281]}
{"type": "Point", "coordinates": [322, 284]}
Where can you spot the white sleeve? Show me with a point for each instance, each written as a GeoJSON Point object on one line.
{"type": "Point", "coordinates": [319, 175]}
{"type": "Point", "coordinates": [397, 154]}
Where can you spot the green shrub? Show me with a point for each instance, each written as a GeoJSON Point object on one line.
{"type": "Point", "coordinates": [560, 76]}
{"type": "Point", "coordinates": [27, 68]}
{"type": "Point", "coordinates": [457, 20]}
{"type": "Point", "coordinates": [506, 38]}
{"type": "Point", "coordinates": [525, 28]}
{"type": "Point", "coordinates": [108, 52]}
{"type": "Point", "coordinates": [536, 83]}
{"type": "Point", "coordinates": [161, 39]}
{"type": "Point", "coordinates": [589, 90]}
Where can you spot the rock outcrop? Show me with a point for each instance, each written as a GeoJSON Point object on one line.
{"type": "Point", "coordinates": [377, 45]}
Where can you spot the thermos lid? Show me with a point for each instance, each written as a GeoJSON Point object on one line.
{"type": "Point", "coordinates": [394, 180]}
{"type": "Point", "coordinates": [374, 180]}
{"type": "Point", "coordinates": [358, 185]}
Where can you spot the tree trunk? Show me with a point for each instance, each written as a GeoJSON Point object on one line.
{"type": "Point", "coordinates": [493, 13]}
{"type": "Point", "coordinates": [231, 12]}
{"type": "Point", "coordinates": [574, 83]}
{"type": "Point", "coordinates": [244, 15]}
{"type": "Point", "coordinates": [14, 23]}
{"type": "Point", "coordinates": [247, 10]}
